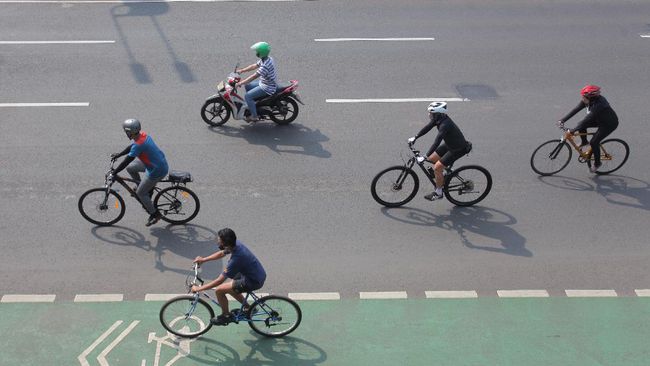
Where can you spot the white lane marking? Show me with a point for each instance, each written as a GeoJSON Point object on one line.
{"type": "Point", "coordinates": [645, 36]}
{"type": "Point", "coordinates": [102, 356]}
{"type": "Point", "coordinates": [27, 298]}
{"type": "Point", "coordinates": [643, 293]}
{"type": "Point", "coordinates": [374, 39]}
{"type": "Point", "coordinates": [315, 296]}
{"type": "Point", "coordinates": [522, 293]}
{"type": "Point", "coordinates": [86, 352]}
{"type": "Point", "coordinates": [18, 105]}
{"type": "Point", "coordinates": [261, 294]}
{"type": "Point", "coordinates": [396, 100]}
{"type": "Point", "coordinates": [160, 297]}
{"type": "Point", "coordinates": [590, 293]}
{"type": "Point", "coordinates": [383, 295]}
{"type": "Point", "coordinates": [135, 1]}
{"type": "Point", "coordinates": [56, 42]}
{"type": "Point", "coordinates": [99, 298]}
{"type": "Point", "coordinates": [450, 294]}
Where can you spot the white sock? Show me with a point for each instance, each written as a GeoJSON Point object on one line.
{"type": "Point", "coordinates": [439, 191]}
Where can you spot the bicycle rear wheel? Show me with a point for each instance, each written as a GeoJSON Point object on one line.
{"type": "Point", "coordinates": [274, 316]}
{"type": "Point", "coordinates": [613, 154]}
{"type": "Point", "coordinates": [100, 208]}
{"type": "Point", "coordinates": [394, 186]}
{"type": "Point", "coordinates": [550, 157]}
{"type": "Point", "coordinates": [177, 204]}
{"type": "Point", "coordinates": [468, 185]}
{"type": "Point", "coordinates": [186, 316]}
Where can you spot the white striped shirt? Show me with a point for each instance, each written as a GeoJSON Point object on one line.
{"type": "Point", "coordinates": [266, 71]}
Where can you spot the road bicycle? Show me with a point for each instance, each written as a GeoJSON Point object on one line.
{"type": "Point", "coordinates": [397, 185]}
{"type": "Point", "coordinates": [554, 155]}
{"type": "Point", "coordinates": [105, 206]}
{"type": "Point", "coordinates": [189, 315]}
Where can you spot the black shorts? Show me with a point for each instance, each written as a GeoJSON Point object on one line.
{"type": "Point", "coordinates": [448, 157]}
{"type": "Point", "coordinates": [240, 284]}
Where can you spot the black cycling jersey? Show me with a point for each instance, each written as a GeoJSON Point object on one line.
{"type": "Point", "coordinates": [599, 114]}
{"type": "Point", "coordinates": [448, 132]}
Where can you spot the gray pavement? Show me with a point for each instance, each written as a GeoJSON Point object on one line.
{"type": "Point", "coordinates": [299, 195]}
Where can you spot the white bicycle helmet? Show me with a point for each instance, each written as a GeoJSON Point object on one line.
{"type": "Point", "coordinates": [437, 107]}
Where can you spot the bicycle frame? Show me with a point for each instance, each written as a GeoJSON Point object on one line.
{"type": "Point", "coordinates": [583, 155]}
{"type": "Point", "coordinates": [413, 160]}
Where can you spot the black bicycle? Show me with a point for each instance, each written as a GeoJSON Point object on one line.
{"type": "Point", "coordinates": [397, 185]}
{"type": "Point", "coordinates": [104, 206]}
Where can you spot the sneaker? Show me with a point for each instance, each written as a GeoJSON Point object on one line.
{"type": "Point", "coordinates": [221, 320]}
{"type": "Point", "coordinates": [153, 218]}
{"type": "Point", "coordinates": [594, 168]}
{"type": "Point", "coordinates": [434, 196]}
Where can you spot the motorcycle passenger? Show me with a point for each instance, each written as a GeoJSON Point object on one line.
{"type": "Point", "coordinates": [267, 83]}
{"type": "Point", "coordinates": [599, 115]}
{"type": "Point", "coordinates": [442, 154]}
{"type": "Point", "coordinates": [151, 160]}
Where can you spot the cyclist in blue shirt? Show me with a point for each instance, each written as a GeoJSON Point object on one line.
{"type": "Point", "coordinates": [244, 271]}
{"type": "Point", "coordinates": [150, 159]}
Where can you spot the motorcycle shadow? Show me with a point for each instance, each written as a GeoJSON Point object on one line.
{"type": "Point", "coordinates": [290, 139]}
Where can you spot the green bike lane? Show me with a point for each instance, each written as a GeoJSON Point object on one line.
{"type": "Point", "coordinates": [483, 331]}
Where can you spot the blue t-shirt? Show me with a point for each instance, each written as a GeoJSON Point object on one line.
{"type": "Point", "coordinates": [153, 158]}
{"type": "Point", "coordinates": [243, 261]}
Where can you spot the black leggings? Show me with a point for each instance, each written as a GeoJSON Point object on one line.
{"type": "Point", "coordinates": [597, 138]}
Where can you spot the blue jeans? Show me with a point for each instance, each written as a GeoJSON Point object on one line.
{"type": "Point", "coordinates": [253, 91]}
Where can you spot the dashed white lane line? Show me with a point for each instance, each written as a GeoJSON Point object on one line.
{"type": "Point", "coordinates": [522, 293]}
{"type": "Point", "coordinates": [396, 100]}
{"type": "Point", "coordinates": [645, 36]}
{"type": "Point", "coordinates": [99, 298]}
{"type": "Point", "coordinates": [135, 1]}
{"type": "Point", "coordinates": [411, 39]}
{"type": "Point", "coordinates": [590, 293]}
{"type": "Point", "coordinates": [643, 293]}
{"type": "Point", "coordinates": [383, 295]}
{"type": "Point", "coordinates": [315, 296]}
{"type": "Point", "coordinates": [27, 298]}
{"type": "Point", "coordinates": [55, 42]}
{"type": "Point", "coordinates": [21, 105]}
{"type": "Point", "coordinates": [450, 294]}
{"type": "Point", "coordinates": [160, 297]}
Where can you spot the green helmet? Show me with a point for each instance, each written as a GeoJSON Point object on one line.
{"type": "Point", "coordinates": [262, 49]}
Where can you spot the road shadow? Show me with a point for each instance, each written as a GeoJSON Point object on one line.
{"type": "Point", "coordinates": [290, 139]}
{"type": "Point", "coordinates": [568, 183]}
{"type": "Point", "coordinates": [484, 222]}
{"type": "Point", "coordinates": [148, 10]}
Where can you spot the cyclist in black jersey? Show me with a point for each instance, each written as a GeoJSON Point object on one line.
{"type": "Point", "coordinates": [599, 115]}
{"type": "Point", "coordinates": [448, 146]}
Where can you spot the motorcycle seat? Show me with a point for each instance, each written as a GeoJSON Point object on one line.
{"type": "Point", "coordinates": [281, 87]}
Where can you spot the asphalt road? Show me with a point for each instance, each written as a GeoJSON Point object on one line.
{"type": "Point", "coordinates": [299, 195]}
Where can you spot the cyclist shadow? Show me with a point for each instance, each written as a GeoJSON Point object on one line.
{"type": "Point", "coordinates": [121, 235]}
{"type": "Point", "coordinates": [488, 223]}
{"type": "Point", "coordinates": [290, 139]}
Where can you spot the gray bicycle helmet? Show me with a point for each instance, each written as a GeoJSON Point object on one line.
{"type": "Point", "coordinates": [131, 126]}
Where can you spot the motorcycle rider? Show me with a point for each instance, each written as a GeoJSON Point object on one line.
{"type": "Point", "coordinates": [267, 83]}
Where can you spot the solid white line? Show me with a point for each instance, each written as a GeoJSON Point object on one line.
{"type": "Point", "coordinates": [590, 293]}
{"type": "Point", "coordinates": [27, 298]}
{"type": "Point", "coordinates": [99, 298]}
{"type": "Point", "coordinates": [56, 42]}
{"type": "Point", "coordinates": [396, 100]}
{"type": "Point", "coordinates": [643, 293]}
{"type": "Point", "coordinates": [522, 293]}
{"type": "Point", "coordinates": [10, 105]}
{"type": "Point", "coordinates": [134, 1]}
{"type": "Point", "coordinates": [645, 36]}
{"type": "Point", "coordinates": [383, 295]}
{"type": "Point", "coordinates": [315, 296]}
{"type": "Point", "coordinates": [374, 39]}
{"type": "Point", "coordinates": [86, 352]}
{"type": "Point", "coordinates": [102, 356]}
{"type": "Point", "coordinates": [450, 294]}
{"type": "Point", "coordinates": [160, 297]}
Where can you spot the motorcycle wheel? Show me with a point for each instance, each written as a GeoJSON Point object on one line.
{"type": "Point", "coordinates": [285, 112]}
{"type": "Point", "coordinates": [215, 112]}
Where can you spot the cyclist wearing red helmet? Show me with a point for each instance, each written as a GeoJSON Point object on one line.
{"type": "Point", "coordinates": [599, 115]}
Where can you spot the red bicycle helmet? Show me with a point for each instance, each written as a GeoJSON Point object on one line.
{"type": "Point", "coordinates": [590, 91]}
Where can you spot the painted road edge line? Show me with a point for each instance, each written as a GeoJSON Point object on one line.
{"type": "Point", "coordinates": [56, 42]}
{"type": "Point", "coordinates": [450, 294]}
{"type": "Point", "coordinates": [396, 100]}
{"type": "Point", "coordinates": [522, 293]}
{"type": "Point", "coordinates": [315, 296]}
{"type": "Point", "coordinates": [14, 105]}
{"type": "Point", "coordinates": [99, 298]}
{"type": "Point", "coordinates": [590, 293]}
{"type": "Point", "coordinates": [27, 298]}
{"type": "Point", "coordinates": [642, 292]}
{"type": "Point", "coordinates": [383, 295]}
{"type": "Point", "coordinates": [405, 39]}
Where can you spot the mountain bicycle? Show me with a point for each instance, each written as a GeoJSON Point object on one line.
{"type": "Point", "coordinates": [189, 315]}
{"type": "Point", "coordinates": [397, 185]}
{"type": "Point", "coordinates": [105, 206]}
{"type": "Point", "coordinates": [554, 155]}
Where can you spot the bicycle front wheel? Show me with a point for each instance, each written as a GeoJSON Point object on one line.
{"type": "Point", "coordinates": [177, 204]}
{"type": "Point", "coordinates": [186, 316]}
{"type": "Point", "coordinates": [468, 185]}
{"type": "Point", "coordinates": [101, 208]}
{"type": "Point", "coordinates": [395, 186]}
{"type": "Point", "coordinates": [274, 316]}
{"type": "Point", "coordinates": [550, 157]}
{"type": "Point", "coordinates": [613, 154]}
